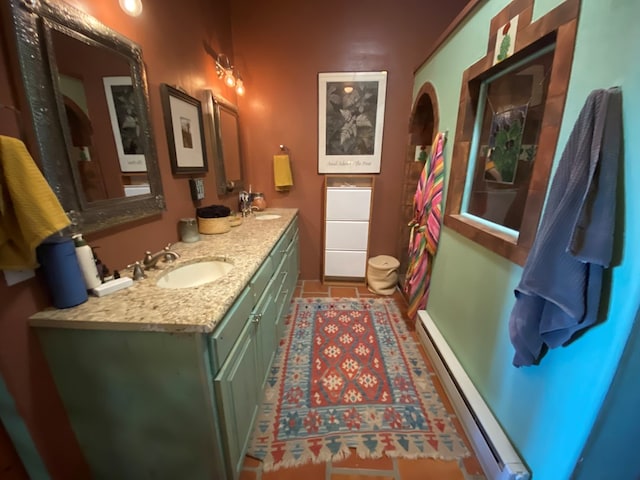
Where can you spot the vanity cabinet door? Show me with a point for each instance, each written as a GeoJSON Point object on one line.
{"type": "Point", "coordinates": [238, 390]}
{"type": "Point", "coordinates": [293, 268]}
{"type": "Point", "coordinates": [226, 334]}
{"type": "Point", "coordinates": [264, 317]}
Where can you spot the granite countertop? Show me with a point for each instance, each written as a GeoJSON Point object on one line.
{"type": "Point", "coordinates": [147, 307]}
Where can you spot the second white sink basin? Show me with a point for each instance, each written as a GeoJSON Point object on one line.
{"type": "Point", "coordinates": [194, 274]}
{"type": "Point", "coordinates": [267, 216]}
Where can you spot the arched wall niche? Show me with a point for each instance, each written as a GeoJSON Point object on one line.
{"type": "Point", "coordinates": [424, 116]}
{"type": "Point", "coordinates": [423, 125]}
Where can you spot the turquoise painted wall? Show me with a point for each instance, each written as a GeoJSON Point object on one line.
{"type": "Point", "coordinates": [546, 410]}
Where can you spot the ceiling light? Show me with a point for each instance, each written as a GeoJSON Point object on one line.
{"type": "Point", "coordinates": [131, 7]}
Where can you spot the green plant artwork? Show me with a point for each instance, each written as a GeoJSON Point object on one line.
{"type": "Point", "coordinates": [351, 117]}
{"type": "Point", "coordinates": [505, 139]}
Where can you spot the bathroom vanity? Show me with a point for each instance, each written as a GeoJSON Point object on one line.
{"type": "Point", "coordinates": [165, 383]}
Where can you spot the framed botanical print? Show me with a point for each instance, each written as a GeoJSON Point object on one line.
{"type": "Point", "coordinates": [351, 121]}
{"type": "Point", "coordinates": [123, 113]}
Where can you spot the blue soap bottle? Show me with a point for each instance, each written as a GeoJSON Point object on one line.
{"type": "Point", "coordinates": [57, 257]}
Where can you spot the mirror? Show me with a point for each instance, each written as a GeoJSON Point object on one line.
{"type": "Point", "coordinates": [223, 123]}
{"type": "Point", "coordinates": [86, 88]}
{"type": "Point", "coordinates": [509, 120]}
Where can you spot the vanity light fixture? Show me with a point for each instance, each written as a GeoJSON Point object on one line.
{"type": "Point", "coordinates": [239, 85]}
{"type": "Point", "coordinates": [131, 7]}
{"type": "Point", "coordinates": [225, 70]}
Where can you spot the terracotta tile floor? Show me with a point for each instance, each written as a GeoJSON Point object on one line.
{"type": "Point", "coordinates": [354, 468]}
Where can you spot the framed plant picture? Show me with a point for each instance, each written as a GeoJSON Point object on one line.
{"type": "Point", "coordinates": [185, 132]}
{"type": "Point", "coordinates": [351, 120]}
{"type": "Point", "coordinates": [123, 113]}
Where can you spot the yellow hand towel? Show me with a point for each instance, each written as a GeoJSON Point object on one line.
{"type": "Point", "coordinates": [29, 210]}
{"type": "Point", "coordinates": [282, 172]}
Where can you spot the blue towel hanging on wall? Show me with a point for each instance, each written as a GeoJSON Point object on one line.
{"type": "Point", "coordinates": [559, 293]}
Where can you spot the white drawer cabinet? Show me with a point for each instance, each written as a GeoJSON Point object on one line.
{"type": "Point", "coordinates": [347, 210]}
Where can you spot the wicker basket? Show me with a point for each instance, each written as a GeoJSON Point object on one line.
{"type": "Point", "coordinates": [209, 226]}
{"type": "Point", "coordinates": [235, 221]}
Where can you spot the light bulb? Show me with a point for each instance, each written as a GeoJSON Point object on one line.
{"type": "Point", "coordinates": [240, 87]}
{"type": "Point", "coordinates": [348, 89]}
{"type": "Point", "coordinates": [131, 7]}
{"type": "Point", "coordinates": [229, 79]}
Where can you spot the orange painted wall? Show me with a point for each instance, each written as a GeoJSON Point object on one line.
{"type": "Point", "coordinates": [279, 49]}
{"type": "Point", "coordinates": [172, 36]}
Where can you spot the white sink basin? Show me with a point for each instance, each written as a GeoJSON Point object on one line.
{"type": "Point", "coordinates": [267, 216]}
{"type": "Point", "coordinates": [194, 274]}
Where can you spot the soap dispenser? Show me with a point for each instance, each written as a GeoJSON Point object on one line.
{"type": "Point", "coordinates": [87, 262]}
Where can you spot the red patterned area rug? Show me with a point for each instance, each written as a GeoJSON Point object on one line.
{"type": "Point", "coordinates": [349, 375]}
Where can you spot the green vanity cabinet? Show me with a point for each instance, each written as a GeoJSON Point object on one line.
{"type": "Point", "coordinates": [176, 403]}
{"type": "Point", "coordinates": [239, 383]}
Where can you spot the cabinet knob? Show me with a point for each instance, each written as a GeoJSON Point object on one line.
{"type": "Point", "coordinates": [256, 318]}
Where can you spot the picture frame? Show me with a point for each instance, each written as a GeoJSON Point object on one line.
{"type": "Point", "coordinates": [351, 107]}
{"type": "Point", "coordinates": [185, 131]}
{"type": "Point", "coordinates": [125, 123]}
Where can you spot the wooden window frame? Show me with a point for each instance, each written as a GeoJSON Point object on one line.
{"type": "Point", "coordinates": [559, 25]}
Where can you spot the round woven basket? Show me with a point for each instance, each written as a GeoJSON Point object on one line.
{"type": "Point", "coordinates": [209, 226]}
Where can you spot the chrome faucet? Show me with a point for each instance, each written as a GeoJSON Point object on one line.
{"type": "Point", "coordinates": [166, 254]}
{"type": "Point", "coordinates": [245, 204]}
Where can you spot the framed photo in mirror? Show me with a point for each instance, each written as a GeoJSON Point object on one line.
{"type": "Point", "coordinates": [125, 123]}
{"type": "Point", "coordinates": [184, 127]}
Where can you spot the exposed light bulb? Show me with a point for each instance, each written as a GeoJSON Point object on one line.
{"type": "Point", "coordinates": [348, 89]}
{"type": "Point", "coordinates": [229, 79]}
{"type": "Point", "coordinates": [131, 7]}
{"type": "Point", "coordinates": [240, 87]}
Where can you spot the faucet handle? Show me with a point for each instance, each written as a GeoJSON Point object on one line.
{"type": "Point", "coordinates": [138, 271]}
{"type": "Point", "coordinates": [170, 255]}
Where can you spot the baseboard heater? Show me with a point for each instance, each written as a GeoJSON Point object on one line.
{"type": "Point", "coordinates": [497, 456]}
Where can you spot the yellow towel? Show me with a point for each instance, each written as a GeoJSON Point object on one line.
{"type": "Point", "coordinates": [29, 210]}
{"type": "Point", "coordinates": [282, 172]}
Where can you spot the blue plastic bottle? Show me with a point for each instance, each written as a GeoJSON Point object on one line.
{"type": "Point", "coordinates": [57, 257]}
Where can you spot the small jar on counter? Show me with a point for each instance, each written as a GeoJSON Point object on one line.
{"type": "Point", "coordinates": [259, 201]}
{"type": "Point", "coordinates": [188, 228]}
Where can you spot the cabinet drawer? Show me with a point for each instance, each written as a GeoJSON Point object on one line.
{"type": "Point", "coordinates": [348, 203]}
{"type": "Point", "coordinates": [339, 263]}
{"type": "Point", "coordinates": [346, 235]}
{"type": "Point", "coordinates": [279, 250]}
{"type": "Point", "coordinates": [225, 335]}
{"type": "Point", "coordinates": [283, 244]}
{"type": "Point", "coordinates": [260, 279]}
